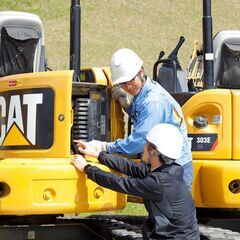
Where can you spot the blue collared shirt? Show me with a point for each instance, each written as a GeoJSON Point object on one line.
{"type": "Point", "coordinates": [151, 106]}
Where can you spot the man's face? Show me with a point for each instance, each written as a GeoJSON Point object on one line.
{"type": "Point", "coordinates": [149, 152]}
{"type": "Point", "coordinates": [145, 154]}
{"type": "Point", "coordinates": [133, 87]}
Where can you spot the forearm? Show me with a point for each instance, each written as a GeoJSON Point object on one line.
{"type": "Point", "coordinates": [104, 179]}
{"type": "Point", "coordinates": [120, 184]}
{"type": "Point", "coordinates": [131, 145]}
{"type": "Point", "coordinates": [150, 115]}
{"type": "Point", "coordinates": [123, 165]}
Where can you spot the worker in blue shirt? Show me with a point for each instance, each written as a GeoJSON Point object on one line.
{"type": "Point", "coordinates": [157, 179]}
{"type": "Point", "coordinates": [151, 104]}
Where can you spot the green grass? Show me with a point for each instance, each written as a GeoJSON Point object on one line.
{"type": "Point", "coordinates": [145, 26]}
{"type": "Point", "coordinates": [133, 209]}
{"type": "Point", "coordinates": [17, 5]}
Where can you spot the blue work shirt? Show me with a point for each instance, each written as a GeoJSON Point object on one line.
{"type": "Point", "coordinates": [151, 106]}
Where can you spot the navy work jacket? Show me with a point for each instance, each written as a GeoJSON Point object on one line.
{"type": "Point", "coordinates": [171, 209]}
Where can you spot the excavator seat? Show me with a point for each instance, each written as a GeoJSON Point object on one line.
{"type": "Point", "coordinates": [21, 43]}
{"type": "Point", "coordinates": [226, 48]}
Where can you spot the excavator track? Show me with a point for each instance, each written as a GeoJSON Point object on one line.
{"type": "Point", "coordinates": [214, 233]}
{"type": "Point", "coordinates": [95, 227]}
{"type": "Point", "coordinates": [129, 227]}
{"type": "Point", "coordinates": [120, 227]}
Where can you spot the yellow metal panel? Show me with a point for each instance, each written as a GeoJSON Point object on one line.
{"type": "Point", "coordinates": [60, 83]}
{"type": "Point", "coordinates": [107, 72]}
{"type": "Point", "coordinates": [236, 124]}
{"type": "Point", "coordinates": [117, 121]}
{"type": "Point", "coordinates": [216, 106]}
{"type": "Point", "coordinates": [52, 186]}
{"type": "Point", "coordinates": [98, 74]}
{"type": "Point", "coordinates": [117, 115]}
{"type": "Point", "coordinates": [211, 183]}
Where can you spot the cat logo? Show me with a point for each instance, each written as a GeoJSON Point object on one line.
{"type": "Point", "coordinates": [26, 119]}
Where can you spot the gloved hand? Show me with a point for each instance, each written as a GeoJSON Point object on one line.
{"type": "Point", "coordinates": [92, 148]}
{"type": "Point", "coordinates": [120, 95]}
{"type": "Point", "coordinates": [97, 146]}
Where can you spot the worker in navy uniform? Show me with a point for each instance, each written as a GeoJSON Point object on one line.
{"type": "Point", "coordinates": [158, 179]}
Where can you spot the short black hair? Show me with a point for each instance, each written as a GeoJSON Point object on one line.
{"type": "Point", "coordinates": [165, 159]}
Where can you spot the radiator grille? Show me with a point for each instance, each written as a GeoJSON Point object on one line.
{"type": "Point", "coordinates": [80, 127]}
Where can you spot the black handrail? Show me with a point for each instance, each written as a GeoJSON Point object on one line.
{"type": "Point", "coordinates": [75, 40]}
{"type": "Point", "coordinates": [207, 45]}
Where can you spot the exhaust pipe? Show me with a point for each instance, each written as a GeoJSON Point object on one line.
{"type": "Point", "coordinates": [75, 41]}
{"type": "Point", "coordinates": [207, 45]}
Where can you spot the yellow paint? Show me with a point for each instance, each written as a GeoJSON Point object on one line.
{"type": "Point", "coordinates": [215, 170]}
{"type": "Point", "coordinates": [52, 186]}
{"type": "Point", "coordinates": [61, 83]}
{"type": "Point", "coordinates": [99, 75]}
{"type": "Point", "coordinates": [46, 179]}
{"type": "Point", "coordinates": [236, 124]}
{"type": "Point", "coordinates": [210, 103]}
{"type": "Point", "coordinates": [107, 73]}
{"type": "Point", "coordinates": [15, 137]}
{"type": "Point", "coordinates": [211, 183]}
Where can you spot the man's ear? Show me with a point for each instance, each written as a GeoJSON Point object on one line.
{"type": "Point", "coordinates": [153, 153]}
{"type": "Point", "coordinates": [141, 72]}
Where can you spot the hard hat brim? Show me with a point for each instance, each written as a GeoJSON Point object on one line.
{"type": "Point", "coordinates": [130, 76]}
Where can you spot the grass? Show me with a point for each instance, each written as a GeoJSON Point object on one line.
{"type": "Point", "coordinates": [145, 26]}
{"type": "Point", "coordinates": [132, 209]}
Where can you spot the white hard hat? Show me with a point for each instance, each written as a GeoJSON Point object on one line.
{"type": "Point", "coordinates": [125, 65]}
{"type": "Point", "coordinates": [167, 139]}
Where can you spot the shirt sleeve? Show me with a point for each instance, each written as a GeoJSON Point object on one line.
{"type": "Point", "coordinates": [124, 165]}
{"type": "Point", "coordinates": [148, 188]}
{"type": "Point", "coordinates": [151, 113]}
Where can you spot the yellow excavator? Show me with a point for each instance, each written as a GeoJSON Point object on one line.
{"type": "Point", "coordinates": [42, 111]}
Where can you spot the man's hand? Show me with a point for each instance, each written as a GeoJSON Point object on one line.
{"type": "Point", "coordinates": [79, 162]}
{"type": "Point", "coordinates": [120, 95]}
{"type": "Point", "coordinates": [92, 148]}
